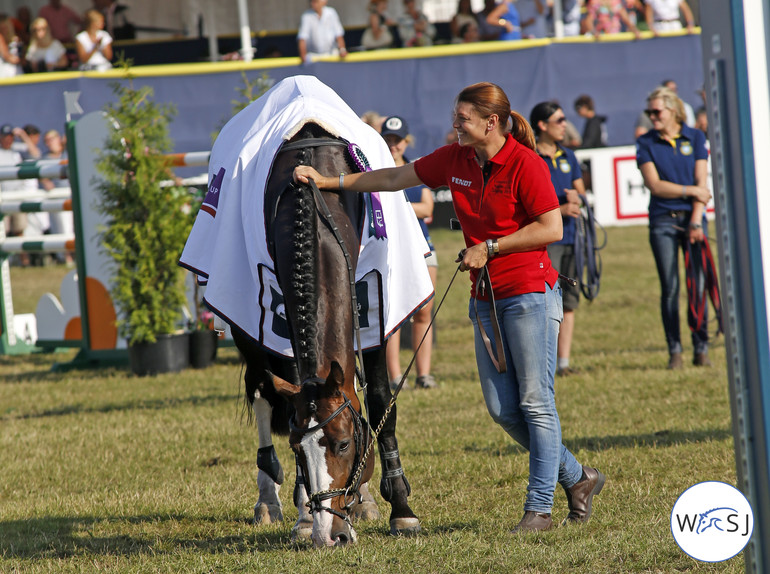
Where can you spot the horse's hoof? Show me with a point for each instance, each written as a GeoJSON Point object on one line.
{"type": "Point", "coordinates": [302, 531]}
{"type": "Point", "coordinates": [366, 511]}
{"type": "Point", "coordinates": [405, 526]}
{"type": "Point", "coordinates": [267, 513]}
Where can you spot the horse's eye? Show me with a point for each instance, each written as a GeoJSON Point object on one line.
{"type": "Point", "coordinates": [344, 445]}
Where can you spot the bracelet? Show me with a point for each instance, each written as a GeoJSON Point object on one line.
{"type": "Point", "coordinates": [342, 181]}
{"type": "Point", "coordinates": [694, 225]}
{"type": "Point", "coordinates": [684, 192]}
{"type": "Point", "coordinates": [492, 248]}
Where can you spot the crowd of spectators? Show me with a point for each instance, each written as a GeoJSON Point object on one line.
{"type": "Point", "coordinates": [60, 39]}
{"type": "Point", "coordinates": [524, 19]}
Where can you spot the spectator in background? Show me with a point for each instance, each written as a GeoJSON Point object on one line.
{"type": "Point", "coordinates": [570, 14]}
{"type": "Point", "coordinates": [61, 19]}
{"type": "Point", "coordinates": [702, 121]}
{"type": "Point", "coordinates": [608, 17]}
{"type": "Point", "coordinates": [93, 44]}
{"type": "Point", "coordinates": [396, 135]}
{"type": "Point", "coordinates": [15, 223]}
{"type": "Point", "coordinates": [27, 142]}
{"type": "Point", "coordinates": [22, 24]}
{"type": "Point", "coordinates": [377, 35]}
{"type": "Point", "coordinates": [506, 16]}
{"type": "Point", "coordinates": [373, 119]}
{"type": "Point", "coordinates": [663, 15]}
{"type": "Point", "coordinates": [688, 111]}
{"type": "Point", "coordinates": [642, 125]}
{"type": "Point", "coordinates": [45, 53]}
{"type": "Point", "coordinates": [11, 50]}
{"type": "Point", "coordinates": [320, 32]}
{"type": "Point", "coordinates": [594, 130]}
{"type": "Point", "coordinates": [115, 22]}
{"type": "Point", "coordinates": [61, 222]}
{"type": "Point", "coordinates": [488, 31]}
{"type": "Point", "coordinates": [673, 160]}
{"type": "Point", "coordinates": [463, 16]}
{"type": "Point", "coordinates": [469, 33]}
{"type": "Point", "coordinates": [572, 138]}
{"type": "Point", "coordinates": [548, 122]}
{"type": "Point", "coordinates": [532, 14]}
{"type": "Point", "coordinates": [414, 27]}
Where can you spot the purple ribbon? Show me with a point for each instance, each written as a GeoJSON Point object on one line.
{"type": "Point", "coordinates": [378, 217]}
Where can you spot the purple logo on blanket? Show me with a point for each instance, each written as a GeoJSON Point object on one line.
{"type": "Point", "coordinates": [211, 201]}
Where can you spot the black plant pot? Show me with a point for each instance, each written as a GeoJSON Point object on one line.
{"type": "Point", "coordinates": [203, 348]}
{"type": "Point", "coordinates": [169, 354]}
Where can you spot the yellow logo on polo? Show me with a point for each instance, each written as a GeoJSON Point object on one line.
{"type": "Point", "coordinates": [686, 148]}
{"type": "Point", "coordinates": [564, 166]}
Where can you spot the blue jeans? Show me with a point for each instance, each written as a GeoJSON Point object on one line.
{"type": "Point", "coordinates": [668, 235]}
{"type": "Point", "coordinates": [521, 400]}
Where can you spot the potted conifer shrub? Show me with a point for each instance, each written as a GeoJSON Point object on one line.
{"type": "Point", "coordinates": [145, 231]}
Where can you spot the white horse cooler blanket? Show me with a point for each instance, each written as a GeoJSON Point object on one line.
{"type": "Point", "coordinates": [227, 247]}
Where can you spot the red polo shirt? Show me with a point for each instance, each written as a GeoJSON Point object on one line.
{"type": "Point", "coordinates": [518, 188]}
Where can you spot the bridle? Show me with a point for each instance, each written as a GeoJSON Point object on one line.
{"type": "Point", "coordinates": [362, 430]}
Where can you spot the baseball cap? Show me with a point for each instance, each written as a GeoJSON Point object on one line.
{"type": "Point", "coordinates": [396, 126]}
{"type": "Point", "coordinates": [6, 129]}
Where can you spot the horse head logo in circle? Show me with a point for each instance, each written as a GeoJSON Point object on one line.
{"type": "Point", "coordinates": [714, 518]}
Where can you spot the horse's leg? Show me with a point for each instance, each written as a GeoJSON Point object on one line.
{"type": "Point", "coordinates": [303, 528]}
{"type": "Point", "coordinates": [268, 508]}
{"type": "Point", "coordinates": [394, 486]}
{"type": "Point", "coordinates": [367, 508]}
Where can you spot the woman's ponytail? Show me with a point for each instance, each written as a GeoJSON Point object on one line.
{"type": "Point", "coordinates": [522, 131]}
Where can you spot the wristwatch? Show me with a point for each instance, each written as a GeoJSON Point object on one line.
{"type": "Point", "coordinates": [694, 225]}
{"type": "Point", "coordinates": [492, 248]}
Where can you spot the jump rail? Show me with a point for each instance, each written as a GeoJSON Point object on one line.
{"type": "Point", "coordinates": [57, 200]}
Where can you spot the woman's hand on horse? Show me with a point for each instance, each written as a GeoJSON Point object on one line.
{"type": "Point", "coordinates": [304, 173]}
{"type": "Point", "coordinates": [472, 258]}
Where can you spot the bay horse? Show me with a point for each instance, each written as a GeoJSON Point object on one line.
{"type": "Point", "coordinates": [314, 240]}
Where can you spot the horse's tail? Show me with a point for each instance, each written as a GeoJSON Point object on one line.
{"type": "Point", "coordinates": [304, 273]}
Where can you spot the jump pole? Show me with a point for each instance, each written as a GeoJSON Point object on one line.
{"type": "Point", "coordinates": [10, 344]}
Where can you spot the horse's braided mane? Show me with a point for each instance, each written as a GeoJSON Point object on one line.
{"type": "Point", "coordinates": [304, 270]}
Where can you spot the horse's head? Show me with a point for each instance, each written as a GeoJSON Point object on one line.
{"type": "Point", "coordinates": [329, 438]}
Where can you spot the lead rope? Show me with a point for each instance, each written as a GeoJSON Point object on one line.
{"type": "Point", "coordinates": [362, 463]}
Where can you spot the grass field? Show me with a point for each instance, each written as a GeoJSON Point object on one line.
{"type": "Point", "coordinates": [102, 471]}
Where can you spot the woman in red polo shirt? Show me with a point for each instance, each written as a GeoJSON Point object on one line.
{"type": "Point", "coordinates": [506, 204]}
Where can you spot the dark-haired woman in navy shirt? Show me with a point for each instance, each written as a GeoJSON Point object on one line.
{"type": "Point", "coordinates": [549, 124]}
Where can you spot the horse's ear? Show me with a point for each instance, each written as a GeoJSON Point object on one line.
{"type": "Point", "coordinates": [336, 376]}
{"type": "Point", "coordinates": [284, 388]}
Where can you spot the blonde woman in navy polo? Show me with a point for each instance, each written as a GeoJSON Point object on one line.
{"type": "Point", "coordinates": [504, 199]}
{"type": "Point", "coordinates": [673, 160]}
{"type": "Point", "coordinates": [549, 124]}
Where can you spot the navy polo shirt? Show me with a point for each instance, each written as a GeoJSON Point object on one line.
{"type": "Point", "coordinates": [564, 168]}
{"type": "Point", "coordinates": [675, 161]}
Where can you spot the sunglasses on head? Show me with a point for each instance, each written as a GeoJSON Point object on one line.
{"type": "Point", "coordinates": [653, 112]}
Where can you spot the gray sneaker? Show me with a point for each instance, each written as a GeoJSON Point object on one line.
{"type": "Point", "coordinates": [426, 382]}
{"type": "Point", "coordinates": [394, 382]}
